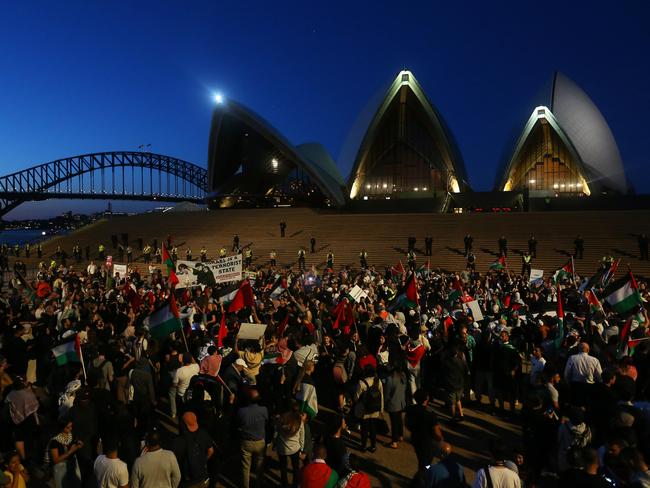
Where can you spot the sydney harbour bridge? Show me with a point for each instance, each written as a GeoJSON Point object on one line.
{"type": "Point", "coordinates": [120, 175]}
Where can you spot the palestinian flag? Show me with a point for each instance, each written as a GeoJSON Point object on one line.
{"type": "Point", "coordinates": [408, 296]}
{"type": "Point", "coordinates": [609, 274]}
{"type": "Point", "coordinates": [499, 264]}
{"type": "Point", "coordinates": [632, 343]}
{"type": "Point", "coordinates": [308, 400]}
{"type": "Point", "coordinates": [273, 358]}
{"type": "Point", "coordinates": [564, 272]}
{"type": "Point", "coordinates": [593, 301]}
{"type": "Point", "coordinates": [227, 294]}
{"type": "Point", "coordinates": [171, 266]}
{"type": "Point", "coordinates": [67, 352]}
{"type": "Point", "coordinates": [456, 292]}
{"type": "Point", "coordinates": [397, 270]}
{"type": "Point", "coordinates": [278, 287]}
{"type": "Point", "coordinates": [623, 339]}
{"type": "Point", "coordinates": [283, 325]}
{"type": "Point", "coordinates": [623, 295]}
{"type": "Point", "coordinates": [243, 298]}
{"type": "Point", "coordinates": [425, 269]}
{"type": "Point", "coordinates": [164, 320]}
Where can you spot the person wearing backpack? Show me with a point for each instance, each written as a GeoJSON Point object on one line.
{"type": "Point", "coordinates": [446, 473]}
{"type": "Point", "coordinates": [369, 406]}
{"type": "Point", "coordinates": [193, 449]}
{"type": "Point", "coordinates": [101, 369]}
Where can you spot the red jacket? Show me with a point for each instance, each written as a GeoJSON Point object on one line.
{"type": "Point", "coordinates": [415, 354]}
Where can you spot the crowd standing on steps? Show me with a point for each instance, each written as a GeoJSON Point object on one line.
{"type": "Point", "coordinates": [336, 375]}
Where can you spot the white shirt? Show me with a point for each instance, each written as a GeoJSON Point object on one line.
{"type": "Point", "coordinates": [582, 368]}
{"type": "Point", "coordinates": [111, 473]}
{"type": "Point", "coordinates": [92, 268]}
{"type": "Point", "coordinates": [182, 377]}
{"type": "Point", "coordinates": [501, 478]}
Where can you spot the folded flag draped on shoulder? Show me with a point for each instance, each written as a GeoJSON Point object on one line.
{"type": "Point", "coordinates": [308, 400]}
{"type": "Point", "coordinates": [67, 352]}
{"type": "Point", "coordinates": [243, 298]}
{"type": "Point", "coordinates": [499, 264]}
{"type": "Point", "coordinates": [164, 320]}
{"type": "Point", "coordinates": [565, 272]}
{"type": "Point", "coordinates": [408, 296]}
{"type": "Point", "coordinates": [171, 266]}
{"type": "Point", "coordinates": [623, 295]}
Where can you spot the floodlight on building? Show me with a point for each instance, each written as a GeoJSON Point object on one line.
{"type": "Point", "coordinates": [532, 182]}
{"type": "Point", "coordinates": [415, 189]}
{"type": "Point", "coordinates": [556, 186]}
{"type": "Point", "coordinates": [218, 98]}
{"type": "Point", "coordinates": [424, 189]}
{"type": "Point", "coordinates": [365, 197]}
{"type": "Point", "coordinates": [274, 163]}
{"type": "Point", "coordinates": [384, 185]}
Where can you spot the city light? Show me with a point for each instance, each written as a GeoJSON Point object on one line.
{"type": "Point", "coordinates": [274, 163]}
{"type": "Point", "coordinates": [556, 186]}
{"type": "Point", "coordinates": [415, 189]}
{"type": "Point", "coordinates": [218, 98]}
{"type": "Point", "coordinates": [532, 182]}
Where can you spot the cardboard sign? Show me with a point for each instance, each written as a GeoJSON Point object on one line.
{"type": "Point", "coordinates": [475, 309]}
{"type": "Point", "coordinates": [253, 332]}
{"type": "Point", "coordinates": [121, 269]}
{"type": "Point", "coordinates": [357, 293]}
{"type": "Point", "coordinates": [536, 275]}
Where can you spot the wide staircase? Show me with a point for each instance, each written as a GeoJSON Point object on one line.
{"type": "Point", "coordinates": [383, 236]}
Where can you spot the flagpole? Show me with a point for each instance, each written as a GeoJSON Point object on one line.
{"type": "Point", "coordinates": [81, 358]}
{"type": "Point", "coordinates": [187, 348]}
{"type": "Point", "coordinates": [573, 272]}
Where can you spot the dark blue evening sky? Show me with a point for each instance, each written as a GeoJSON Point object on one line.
{"type": "Point", "coordinates": [85, 76]}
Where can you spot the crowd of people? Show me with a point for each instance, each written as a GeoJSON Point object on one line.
{"type": "Point", "coordinates": [93, 397]}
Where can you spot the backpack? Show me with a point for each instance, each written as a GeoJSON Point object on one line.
{"type": "Point", "coordinates": [371, 398]}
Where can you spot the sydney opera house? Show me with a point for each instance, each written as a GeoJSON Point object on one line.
{"type": "Point", "coordinates": [408, 158]}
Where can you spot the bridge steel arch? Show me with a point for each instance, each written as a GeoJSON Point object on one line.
{"type": "Point", "coordinates": [55, 179]}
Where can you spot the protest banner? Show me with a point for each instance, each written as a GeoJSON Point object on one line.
{"type": "Point", "coordinates": [228, 269]}
{"type": "Point", "coordinates": [120, 269]}
{"type": "Point", "coordinates": [193, 273]}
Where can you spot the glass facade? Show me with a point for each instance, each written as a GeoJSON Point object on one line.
{"type": "Point", "coordinates": [545, 165]}
{"type": "Point", "coordinates": [404, 157]}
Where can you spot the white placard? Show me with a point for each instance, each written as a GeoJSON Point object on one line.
{"type": "Point", "coordinates": [475, 309]}
{"type": "Point", "coordinates": [253, 332]}
{"type": "Point", "coordinates": [121, 269]}
{"type": "Point", "coordinates": [535, 275]}
{"type": "Point", "coordinates": [357, 293]}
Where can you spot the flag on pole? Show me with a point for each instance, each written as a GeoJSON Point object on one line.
{"type": "Point", "coordinates": [223, 330]}
{"type": "Point", "coordinates": [408, 296]}
{"type": "Point", "coordinates": [623, 338]}
{"type": "Point", "coordinates": [593, 301]}
{"type": "Point", "coordinates": [67, 352]}
{"type": "Point", "coordinates": [398, 269]}
{"type": "Point", "coordinates": [565, 272]}
{"type": "Point", "coordinates": [609, 273]}
{"type": "Point", "coordinates": [164, 320]}
{"type": "Point", "coordinates": [243, 298]}
{"type": "Point", "coordinates": [499, 264]}
{"type": "Point", "coordinates": [624, 295]}
{"type": "Point", "coordinates": [171, 266]}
